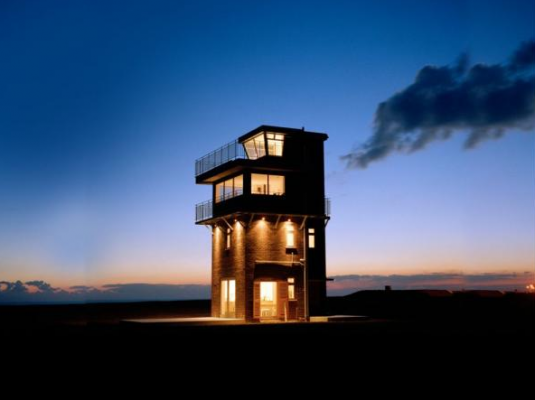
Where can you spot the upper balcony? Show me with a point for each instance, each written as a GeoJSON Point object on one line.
{"type": "Point", "coordinates": [231, 151]}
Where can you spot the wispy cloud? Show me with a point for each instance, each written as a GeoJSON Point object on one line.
{"type": "Point", "coordinates": [345, 284]}
{"type": "Point", "coordinates": [485, 100]}
{"type": "Point", "coordinates": [42, 292]}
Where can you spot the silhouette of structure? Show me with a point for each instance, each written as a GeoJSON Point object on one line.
{"type": "Point", "coordinates": [267, 216]}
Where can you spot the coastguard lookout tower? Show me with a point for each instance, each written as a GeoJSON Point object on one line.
{"type": "Point", "coordinates": [267, 215]}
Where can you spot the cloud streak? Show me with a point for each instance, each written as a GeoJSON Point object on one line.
{"type": "Point", "coordinates": [484, 100]}
{"type": "Point", "coordinates": [19, 292]}
{"type": "Point", "coordinates": [346, 284]}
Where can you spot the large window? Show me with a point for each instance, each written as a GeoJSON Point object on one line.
{"type": "Point", "coordinates": [267, 184]}
{"type": "Point", "coordinates": [255, 147]}
{"type": "Point", "coordinates": [230, 188]}
{"type": "Point", "coordinates": [275, 143]}
{"type": "Point", "coordinates": [228, 298]}
{"type": "Point", "coordinates": [269, 143]}
{"type": "Point", "coordinates": [290, 235]}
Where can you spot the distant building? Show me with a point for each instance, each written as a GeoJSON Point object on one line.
{"type": "Point", "coordinates": [267, 216]}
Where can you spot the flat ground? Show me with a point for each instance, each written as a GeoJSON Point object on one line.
{"type": "Point", "coordinates": [394, 313]}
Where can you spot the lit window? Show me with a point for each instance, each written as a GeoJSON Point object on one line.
{"type": "Point", "coordinates": [276, 184]}
{"type": "Point", "coordinates": [291, 288]}
{"type": "Point", "coordinates": [290, 235]}
{"type": "Point", "coordinates": [228, 298]}
{"type": "Point", "coordinates": [275, 143]}
{"type": "Point", "coordinates": [259, 184]}
{"type": "Point", "coordinates": [227, 239]}
{"type": "Point", "coordinates": [230, 188]}
{"type": "Point", "coordinates": [238, 185]}
{"type": "Point", "coordinates": [219, 192]}
{"type": "Point", "coordinates": [311, 238]}
{"type": "Point", "coordinates": [255, 147]}
{"type": "Point", "coordinates": [268, 291]}
{"type": "Point", "coordinates": [267, 184]}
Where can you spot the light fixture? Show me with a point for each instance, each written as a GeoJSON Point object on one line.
{"type": "Point", "coordinates": [263, 218]}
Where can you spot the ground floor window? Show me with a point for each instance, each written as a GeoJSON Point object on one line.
{"type": "Point", "coordinates": [228, 298]}
{"type": "Point", "coordinates": [291, 288]}
{"type": "Point", "coordinates": [268, 299]}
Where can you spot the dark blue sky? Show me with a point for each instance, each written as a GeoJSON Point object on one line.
{"type": "Point", "coordinates": [104, 107]}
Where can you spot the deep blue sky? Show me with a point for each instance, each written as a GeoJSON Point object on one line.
{"type": "Point", "coordinates": [104, 106]}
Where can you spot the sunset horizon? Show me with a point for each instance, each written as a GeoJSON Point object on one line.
{"type": "Point", "coordinates": [429, 163]}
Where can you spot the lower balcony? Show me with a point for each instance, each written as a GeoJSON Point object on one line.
{"type": "Point", "coordinates": [205, 211]}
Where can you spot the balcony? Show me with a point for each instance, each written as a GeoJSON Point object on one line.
{"type": "Point", "coordinates": [231, 151]}
{"type": "Point", "coordinates": [205, 210]}
{"type": "Point", "coordinates": [327, 206]}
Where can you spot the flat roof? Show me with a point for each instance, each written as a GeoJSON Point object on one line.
{"type": "Point", "coordinates": [282, 129]}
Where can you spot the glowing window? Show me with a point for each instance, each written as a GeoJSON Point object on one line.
{"type": "Point", "coordinates": [255, 147]}
{"type": "Point", "coordinates": [291, 288]}
{"type": "Point", "coordinates": [276, 185]}
{"type": "Point", "coordinates": [227, 239]}
{"type": "Point", "coordinates": [290, 235]}
{"type": "Point", "coordinates": [259, 184]}
{"type": "Point", "coordinates": [268, 291]}
{"type": "Point", "coordinates": [275, 143]}
{"type": "Point", "coordinates": [228, 298]}
{"type": "Point", "coordinates": [230, 188]}
{"type": "Point", "coordinates": [311, 238]}
{"type": "Point", "coordinates": [238, 185]}
{"type": "Point", "coordinates": [267, 184]}
{"type": "Point", "coordinates": [219, 192]}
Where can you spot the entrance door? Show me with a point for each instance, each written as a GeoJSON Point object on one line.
{"type": "Point", "coordinates": [228, 298]}
{"type": "Point", "coordinates": [268, 300]}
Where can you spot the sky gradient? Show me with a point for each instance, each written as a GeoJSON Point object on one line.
{"type": "Point", "coordinates": [104, 107]}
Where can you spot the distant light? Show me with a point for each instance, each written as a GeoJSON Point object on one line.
{"type": "Point", "coordinates": [289, 220]}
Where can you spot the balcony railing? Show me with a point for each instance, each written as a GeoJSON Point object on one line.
{"type": "Point", "coordinates": [230, 151]}
{"type": "Point", "coordinates": [205, 210]}
{"type": "Point", "coordinates": [229, 195]}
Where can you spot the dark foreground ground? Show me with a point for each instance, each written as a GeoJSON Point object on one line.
{"type": "Point", "coordinates": [394, 313]}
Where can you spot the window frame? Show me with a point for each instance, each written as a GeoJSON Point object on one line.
{"type": "Point", "coordinates": [268, 190]}
{"type": "Point", "coordinates": [276, 139]}
{"type": "Point", "coordinates": [228, 239]}
{"type": "Point", "coordinates": [311, 242]}
{"type": "Point", "coordinates": [290, 235]}
{"type": "Point", "coordinates": [235, 191]}
{"type": "Point", "coordinates": [292, 295]}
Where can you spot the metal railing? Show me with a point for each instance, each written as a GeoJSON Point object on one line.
{"type": "Point", "coordinates": [236, 192]}
{"type": "Point", "coordinates": [230, 151]}
{"type": "Point", "coordinates": [204, 211]}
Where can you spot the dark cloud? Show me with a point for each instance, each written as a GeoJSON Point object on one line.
{"type": "Point", "coordinates": [345, 284]}
{"type": "Point", "coordinates": [19, 292]}
{"type": "Point", "coordinates": [13, 287]}
{"type": "Point", "coordinates": [484, 100]}
{"type": "Point", "coordinates": [42, 286]}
